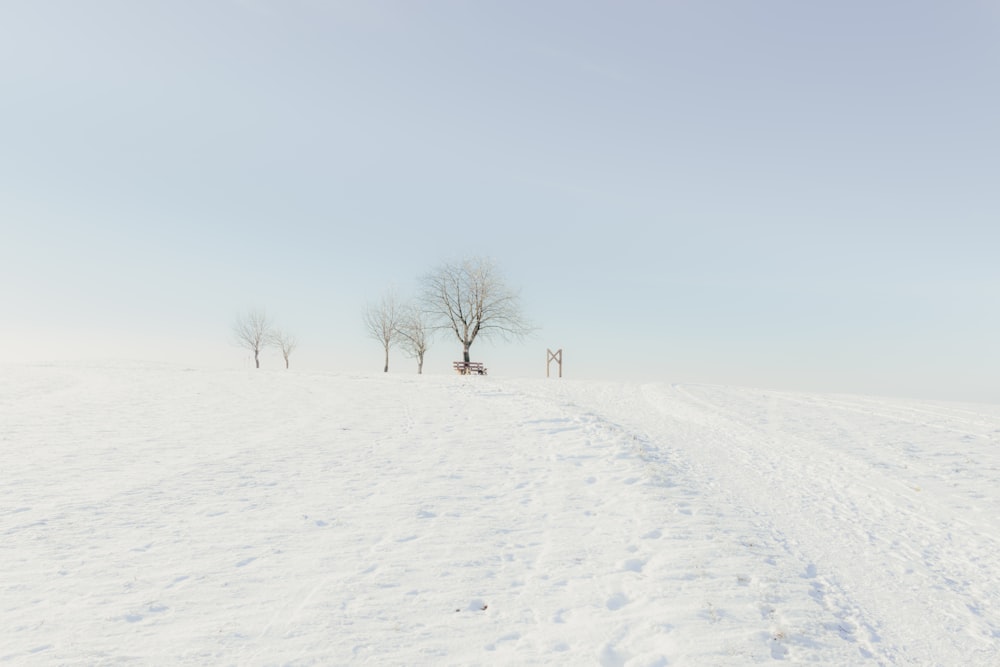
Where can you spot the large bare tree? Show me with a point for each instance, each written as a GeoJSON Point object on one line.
{"type": "Point", "coordinates": [253, 331]}
{"type": "Point", "coordinates": [415, 334]}
{"type": "Point", "coordinates": [382, 322]}
{"type": "Point", "coordinates": [471, 299]}
{"type": "Point", "coordinates": [284, 342]}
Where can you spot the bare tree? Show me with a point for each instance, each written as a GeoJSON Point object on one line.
{"type": "Point", "coordinates": [471, 299]}
{"type": "Point", "coordinates": [253, 331]}
{"type": "Point", "coordinates": [415, 334]}
{"type": "Point", "coordinates": [284, 342]}
{"type": "Point", "coordinates": [382, 321]}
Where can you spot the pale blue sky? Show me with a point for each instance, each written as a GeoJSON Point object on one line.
{"type": "Point", "coordinates": [787, 194]}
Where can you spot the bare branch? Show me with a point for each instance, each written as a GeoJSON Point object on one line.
{"type": "Point", "coordinates": [284, 342]}
{"type": "Point", "coordinates": [470, 299]}
{"type": "Point", "coordinates": [253, 332]}
{"type": "Point", "coordinates": [414, 334]}
{"type": "Point", "coordinates": [382, 322]}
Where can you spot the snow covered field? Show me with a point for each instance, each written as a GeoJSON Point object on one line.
{"type": "Point", "coordinates": [157, 515]}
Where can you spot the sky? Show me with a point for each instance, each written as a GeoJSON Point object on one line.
{"type": "Point", "coordinates": [784, 194]}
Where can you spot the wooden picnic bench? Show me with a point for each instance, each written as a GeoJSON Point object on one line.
{"type": "Point", "coordinates": [470, 368]}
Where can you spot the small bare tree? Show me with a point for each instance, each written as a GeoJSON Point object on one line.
{"type": "Point", "coordinates": [415, 334]}
{"type": "Point", "coordinates": [253, 331]}
{"type": "Point", "coordinates": [470, 299]}
{"type": "Point", "coordinates": [284, 342]}
{"type": "Point", "coordinates": [382, 321]}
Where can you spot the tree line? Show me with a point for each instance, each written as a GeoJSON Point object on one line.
{"type": "Point", "coordinates": [467, 298]}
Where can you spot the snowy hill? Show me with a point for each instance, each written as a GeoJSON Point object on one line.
{"type": "Point", "coordinates": [153, 515]}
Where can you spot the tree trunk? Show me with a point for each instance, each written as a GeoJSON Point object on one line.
{"type": "Point", "coordinates": [465, 351]}
{"type": "Point", "coordinates": [286, 363]}
{"type": "Point", "coordinates": [386, 369]}
{"type": "Point", "coordinates": [420, 364]}
{"type": "Point", "coordinates": [256, 357]}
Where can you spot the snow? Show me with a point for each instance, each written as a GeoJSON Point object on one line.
{"type": "Point", "coordinates": [160, 515]}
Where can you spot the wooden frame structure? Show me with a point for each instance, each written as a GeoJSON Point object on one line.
{"type": "Point", "coordinates": [553, 356]}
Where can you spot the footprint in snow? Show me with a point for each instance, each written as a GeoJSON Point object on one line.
{"type": "Point", "coordinates": [616, 601]}
{"type": "Point", "coordinates": [778, 650]}
{"type": "Point", "coordinates": [513, 636]}
{"type": "Point", "coordinates": [634, 564]}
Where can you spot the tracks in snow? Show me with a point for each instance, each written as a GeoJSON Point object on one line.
{"type": "Point", "coordinates": [279, 518]}
{"type": "Point", "coordinates": [821, 479]}
{"type": "Point", "coordinates": [720, 570]}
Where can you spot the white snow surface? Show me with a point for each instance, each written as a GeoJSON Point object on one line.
{"type": "Point", "coordinates": [160, 515]}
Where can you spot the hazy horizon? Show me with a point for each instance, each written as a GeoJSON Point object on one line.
{"type": "Point", "coordinates": [786, 195]}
